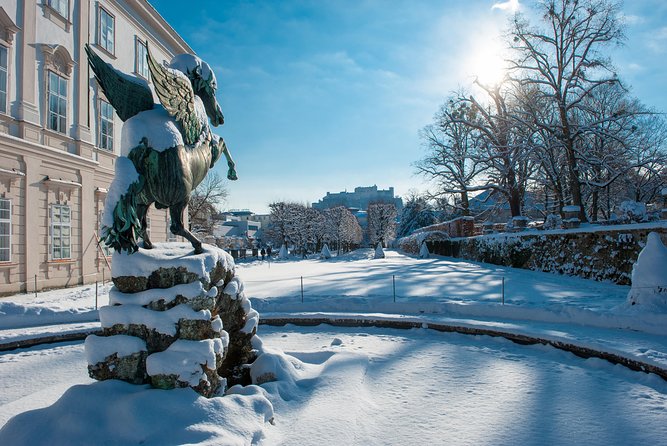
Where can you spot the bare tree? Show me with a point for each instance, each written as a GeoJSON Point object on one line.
{"type": "Point", "coordinates": [452, 152]}
{"type": "Point", "coordinates": [204, 201]}
{"type": "Point", "coordinates": [563, 59]}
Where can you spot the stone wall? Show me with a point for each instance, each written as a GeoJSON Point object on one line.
{"type": "Point", "coordinates": [459, 227]}
{"type": "Point", "coordinates": [599, 253]}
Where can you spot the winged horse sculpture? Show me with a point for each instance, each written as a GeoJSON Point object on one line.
{"type": "Point", "coordinates": [166, 149]}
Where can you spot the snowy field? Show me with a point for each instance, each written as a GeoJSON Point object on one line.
{"type": "Point", "coordinates": [362, 386]}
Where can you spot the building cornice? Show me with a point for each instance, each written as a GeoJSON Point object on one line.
{"type": "Point", "coordinates": [159, 25]}
{"type": "Point", "coordinates": [45, 152]}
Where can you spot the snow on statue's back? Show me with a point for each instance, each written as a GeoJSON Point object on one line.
{"type": "Point", "coordinates": [649, 276]}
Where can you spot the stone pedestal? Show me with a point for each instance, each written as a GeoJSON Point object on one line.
{"type": "Point", "coordinates": [519, 223]}
{"type": "Point", "coordinates": [571, 217]}
{"type": "Point", "coordinates": [174, 319]}
{"type": "Point", "coordinates": [487, 227]}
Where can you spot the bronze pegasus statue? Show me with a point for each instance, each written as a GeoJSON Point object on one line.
{"type": "Point", "coordinates": [166, 149]}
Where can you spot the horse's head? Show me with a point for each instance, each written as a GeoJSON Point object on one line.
{"type": "Point", "coordinates": [203, 81]}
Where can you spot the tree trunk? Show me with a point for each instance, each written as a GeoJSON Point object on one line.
{"type": "Point", "coordinates": [572, 166]}
{"type": "Point", "coordinates": [465, 204]}
{"type": "Point", "coordinates": [594, 205]}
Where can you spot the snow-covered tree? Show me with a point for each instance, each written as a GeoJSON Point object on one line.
{"type": "Point", "coordinates": [381, 223]}
{"type": "Point", "coordinates": [417, 212]}
{"type": "Point", "coordinates": [563, 60]}
{"type": "Point", "coordinates": [341, 229]}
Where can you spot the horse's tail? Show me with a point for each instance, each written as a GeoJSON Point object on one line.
{"type": "Point", "coordinates": [126, 227]}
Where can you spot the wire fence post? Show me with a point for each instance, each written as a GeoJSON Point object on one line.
{"type": "Point", "coordinates": [35, 285]}
{"type": "Point", "coordinates": [96, 294]}
{"type": "Point", "coordinates": [503, 290]}
{"type": "Point", "coordinates": [301, 289]}
{"type": "Point", "coordinates": [393, 285]}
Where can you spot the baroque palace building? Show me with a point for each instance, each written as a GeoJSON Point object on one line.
{"type": "Point", "coordinates": [59, 137]}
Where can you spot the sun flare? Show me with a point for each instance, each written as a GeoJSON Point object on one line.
{"type": "Point", "coordinates": [486, 63]}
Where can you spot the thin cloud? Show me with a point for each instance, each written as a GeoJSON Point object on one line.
{"type": "Point", "coordinates": [509, 5]}
{"type": "Point", "coordinates": [658, 40]}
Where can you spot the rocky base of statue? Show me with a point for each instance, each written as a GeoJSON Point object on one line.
{"type": "Point", "coordinates": [175, 319]}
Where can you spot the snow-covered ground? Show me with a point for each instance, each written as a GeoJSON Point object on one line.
{"type": "Point", "coordinates": [366, 385]}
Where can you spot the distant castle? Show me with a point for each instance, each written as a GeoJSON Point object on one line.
{"type": "Point", "coordinates": [359, 199]}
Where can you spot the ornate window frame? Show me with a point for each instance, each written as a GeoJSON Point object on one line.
{"type": "Point", "coordinates": [61, 231]}
{"type": "Point", "coordinates": [58, 61]}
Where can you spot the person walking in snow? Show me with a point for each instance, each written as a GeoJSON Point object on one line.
{"type": "Point", "coordinates": [263, 253]}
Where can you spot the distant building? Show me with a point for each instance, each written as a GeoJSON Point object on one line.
{"type": "Point", "coordinates": [359, 199]}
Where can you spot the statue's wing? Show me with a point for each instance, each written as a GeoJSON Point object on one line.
{"type": "Point", "coordinates": [177, 96]}
{"type": "Point", "coordinates": [126, 94]}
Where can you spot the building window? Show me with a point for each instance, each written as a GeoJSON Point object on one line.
{"type": "Point", "coordinates": [140, 62]}
{"type": "Point", "coordinates": [5, 230]}
{"type": "Point", "coordinates": [61, 226]}
{"type": "Point", "coordinates": [106, 30]}
{"type": "Point", "coordinates": [57, 119]}
{"type": "Point", "coordinates": [61, 7]}
{"type": "Point", "coordinates": [106, 126]}
{"type": "Point", "coordinates": [3, 79]}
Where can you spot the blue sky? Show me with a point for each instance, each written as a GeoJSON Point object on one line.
{"type": "Point", "coordinates": [327, 95]}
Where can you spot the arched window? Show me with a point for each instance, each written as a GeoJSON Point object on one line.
{"type": "Point", "coordinates": [58, 64]}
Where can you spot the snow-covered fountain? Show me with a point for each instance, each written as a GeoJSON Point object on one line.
{"type": "Point", "coordinates": [177, 315]}
{"type": "Point", "coordinates": [175, 320]}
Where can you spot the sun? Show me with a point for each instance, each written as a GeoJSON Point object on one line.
{"type": "Point", "coordinates": [486, 62]}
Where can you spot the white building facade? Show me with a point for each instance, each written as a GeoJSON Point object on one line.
{"type": "Point", "coordinates": [59, 137]}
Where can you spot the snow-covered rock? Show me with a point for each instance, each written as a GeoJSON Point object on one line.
{"type": "Point", "coordinates": [165, 321]}
{"type": "Point", "coordinates": [649, 276]}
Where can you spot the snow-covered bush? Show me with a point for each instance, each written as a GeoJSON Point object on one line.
{"type": "Point", "coordinates": [423, 251]}
{"type": "Point", "coordinates": [553, 221]}
{"type": "Point", "coordinates": [649, 276]}
{"type": "Point", "coordinates": [325, 253]}
{"type": "Point", "coordinates": [379, 252]}
{"type": "Point", "coordinates": [631, 211]}
{"type": "Point", "coordinates": [283, 253]}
